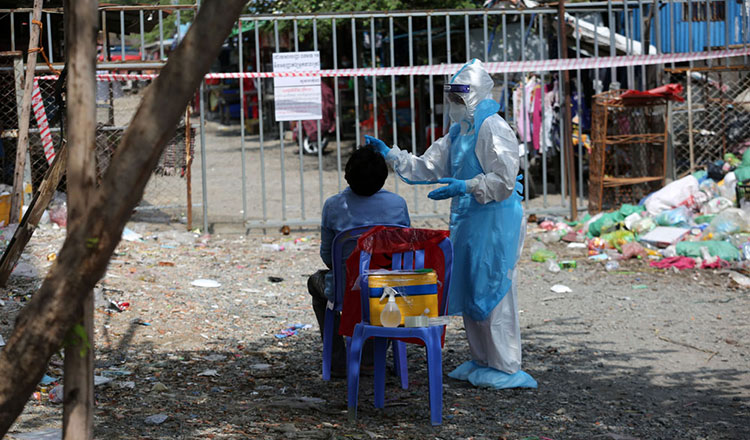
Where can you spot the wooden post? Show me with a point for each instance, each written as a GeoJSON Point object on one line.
{"type": "Point", "coordinates": [81, 27]}
{"type": "Point", "coordinates": [16, 199]}
{"type": "Point", "coordinates": [567, 131]}
{"type": "Point", "coordinates": [188, 173]}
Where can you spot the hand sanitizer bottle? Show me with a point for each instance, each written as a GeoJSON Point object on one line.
{"type": "Point", "coordinates": [391, 314]}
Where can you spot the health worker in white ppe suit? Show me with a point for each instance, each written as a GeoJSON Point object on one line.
{"type": "Point", "coordinates": [479, 161]}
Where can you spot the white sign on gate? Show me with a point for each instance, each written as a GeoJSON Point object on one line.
{"type": "Point", "coordinates": [299, 97]}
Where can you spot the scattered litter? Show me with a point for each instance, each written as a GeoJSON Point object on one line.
{"type": "Point", "coordinates": [577, 245]}
{"type": "Point", "coordinates": [128, 384]}
{"type": "Point", "coordinates": [599, 257]}
{"type": "Point", "coordinates": [542, 255]}
{"type": "Point", "coordinates": [611, 265]}
{"type": "Point", "coordinates": [46, 434]}
{"type": "Point", "coordinates": [209, 373]}
{"type": "Point", "coordinates": [116, 373]}
{"type": "Point", "coordinates": [2, 341]}
{"type": "Point", "coordinates": [640, 286]}
{"type": "Point", "coordinates": [663, 236]}
{"type": "Point", "coordinates": [120, 306]}
{"type": "Point", "coordinates": [139, 321]}
{"type": "Point", "coordinates": [101, 380]}
{"type": "Point", "coordinates": [214, 357]}
{"type": "Point", "coordinates": [559, 288]}
{"type": "Point", "coordinates": [166, 264]}
{"type": "Point", "coordinates": [738, 278]}
{"type": "Point", "coordinates": [46, 380]}
{"type": "Point", "coordinates": [56, 394]}
{"type": "Point", "coordinates": [291, 331]}
{"type": "Point", "coordinates": [159, 388]}
{"type": "Point", "coordinates": [205, 283]}
{"type": "Point", "coordinates": [272, 247]}
{"type": "Point", "coordinates": [275, 279]}
{"type": "Point", "coordinates": [568, 264]}
{"type": "Point", "coordinates": [51, 256]}
{"type": "Point", "coordinates": [130, 235]}
{"type": "Point", "coordinates": [156, 419]}
{"type": "Point", "coordinates": [553, 266]}
{"type": "Point", "coordinates": [260, 366]}
{"type": "Point", "coordinates": [25, 270]}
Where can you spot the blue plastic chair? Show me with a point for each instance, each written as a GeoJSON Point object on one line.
{"type": "Point", "coordinates": [430, 336]}
{"type": "Point", "coordinates": [343, 245]}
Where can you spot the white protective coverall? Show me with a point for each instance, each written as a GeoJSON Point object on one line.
{"type": "Point", "coordinates": [483, 219]}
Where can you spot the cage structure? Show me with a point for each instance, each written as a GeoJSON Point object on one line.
{"type": "Point", "coordinates": [629, 154]}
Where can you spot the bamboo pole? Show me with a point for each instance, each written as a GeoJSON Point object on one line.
{"type": "Point", "coordinates": [16, 199]}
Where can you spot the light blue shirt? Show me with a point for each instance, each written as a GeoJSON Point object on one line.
{"type": "Point", "coordinates": [347, 210]}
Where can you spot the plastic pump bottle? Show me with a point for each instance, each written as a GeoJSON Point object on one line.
{"type": "Point", "coordinates": [391, 314]}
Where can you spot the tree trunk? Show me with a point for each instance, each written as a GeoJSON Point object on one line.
{"type": "Point", "coordinates": [16, 199]}
{"type": "Point", "coordinates": [81, 27]}
{"type": "Point", "coordinates": [83, 259]}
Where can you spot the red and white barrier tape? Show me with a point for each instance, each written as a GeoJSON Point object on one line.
{"type": "Point", "coordinates": [37, 104]}
{"type": "Point", "coordinates": [449, 69]}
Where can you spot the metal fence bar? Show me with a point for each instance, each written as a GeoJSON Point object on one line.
{"type": "Point", "coordinates": [393, 93]}
{"type": "Point", "coordinates": [524, 118]}
{"type": "Point", "coordinates": [258, 88]}
{"type": "Point", "coordinates": [300, 140]}
{"type": "Point", "coordinates": [241, 68]}
{"type": "Point", "coordinates": [727, 24]}
{"type": "Point", "coordinates": [122, 36]}
{"type": "Point", "coordinates": [506, 91]}
{"type": "Point", "coordinates": [336, 102]}
{"type": "Point", "coordinates": [542, 133]}
{"type": "Point", "coordinates": [374, 79]}
{"type": "Point", "coordinates": [143, 42]}
{"type": "Point", "coordinates": [486, 39]}
{"type": "Point", "coordinates": [320, 144]}
{"type": "Point", "coordinates": [629, 44]}
{"type": "Point", "coordinates": [579, 98]}
{"type": "Point", "coordinates": [612, 47]}
{"type": "Point", "coordinates": [468, 38]}
{"type": "Point", "coordinates": [356, 82]}
{"type": "Point", "coordinates": [411, 107]}
{"type": "Point", "coordinates": [105, 36]}
{"type": "Point", "coordinates": [161, 36]}
{"type": "Point", "coordinates": [561, 134]}
{"type": "Point", "coordinates": [281, 137]}
{"type": "Point", "coordinates": [644, 49]}
{"type": "Point", "coordinates": [432, 93]}
{"type": "Point", "coordinates": [49, 40]}
{"type": "Point", "coordinates": [446, 117]}
{"type": "Point", "coordinates": [13, 31]}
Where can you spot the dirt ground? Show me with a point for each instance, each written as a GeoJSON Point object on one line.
{"type": "Point", "coordinates": [637, 353]}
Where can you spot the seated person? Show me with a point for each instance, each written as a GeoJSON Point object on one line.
{"type": "Point", "coordinates": [363, 203]}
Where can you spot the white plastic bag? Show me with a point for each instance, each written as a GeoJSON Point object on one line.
{"type": "Point", "coordinates": [672, 195]}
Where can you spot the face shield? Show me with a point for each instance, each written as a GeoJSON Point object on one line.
{"type": "Point", "coordinates": [455, 98]}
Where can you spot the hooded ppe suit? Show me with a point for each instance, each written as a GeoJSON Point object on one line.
{"type": "Point", "coordinates": [479, 158]}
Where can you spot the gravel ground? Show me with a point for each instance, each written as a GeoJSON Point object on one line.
{"type": "Point", "coordinates": [639, 353]}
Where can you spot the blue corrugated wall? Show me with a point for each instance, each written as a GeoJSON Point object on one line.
{"type": "Point", "coordinates": [671, 17]}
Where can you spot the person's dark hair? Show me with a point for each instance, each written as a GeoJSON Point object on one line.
{"type": "Point", "coordinates": [366, 171]}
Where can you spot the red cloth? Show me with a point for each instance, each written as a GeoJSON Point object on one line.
{"type": "Point", "coordinates": [678, 262]}
{"type": "Point", "coordinates": [670, 92]}
{"type": "Point", "coordinates": [381, 242]}
{"type": "Point", "coordinates": [718, 264]}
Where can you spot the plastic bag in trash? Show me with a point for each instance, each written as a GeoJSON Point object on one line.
{"type": "Point", "coordinates": [716, 205]}
{"type": "Point", "coordinates": [729, 221]}
{"type": "Point", "coordinates": [58, 214]}
{"type": "Point", "coordinates": [679, 216]}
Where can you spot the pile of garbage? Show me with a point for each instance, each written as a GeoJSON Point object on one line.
{"type": "Point", "coordinates": [698, 221]}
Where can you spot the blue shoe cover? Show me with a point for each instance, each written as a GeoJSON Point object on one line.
{"type": "Point", "coordinates": [463, 371]}
{"type": "Point", "coordinates": [491, 378]}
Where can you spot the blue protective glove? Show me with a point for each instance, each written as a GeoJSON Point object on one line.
{"type": "Point", "coordinates": [456, 187]}
{"type": "Point", "coordinates": [379, 145]}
